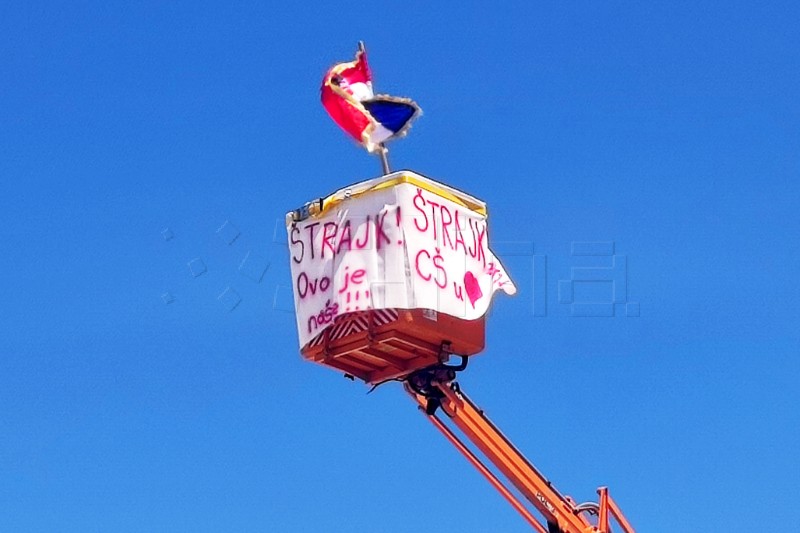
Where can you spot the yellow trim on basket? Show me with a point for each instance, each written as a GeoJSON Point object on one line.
{"type": "Point", "coordinates": [333, 201]}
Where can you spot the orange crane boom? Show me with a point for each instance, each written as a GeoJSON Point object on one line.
{"type": "Point", "coordinates": [435, 390]}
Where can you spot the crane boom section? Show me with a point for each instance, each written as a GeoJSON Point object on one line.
{"type": "Point", "coordinates": [560, 512]}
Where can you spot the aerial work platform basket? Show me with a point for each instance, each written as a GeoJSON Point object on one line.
{"type": "Point", "coordinates": [392, 275]}
{"type": "Point", "coordinates": [382, 344]}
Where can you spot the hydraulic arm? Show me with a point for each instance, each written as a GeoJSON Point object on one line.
{"type": "Point", "coordinates": [436, 391]}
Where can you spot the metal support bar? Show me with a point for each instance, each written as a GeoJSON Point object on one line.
{"type": "Point", "coordinates": [488, 474]}
{"type": "Point", "coordinates": [602, 515]}
{"type": "Point", "coordinates": [499, 450]}
{"type": "Point", "coordinates": [383, 152]}
{"type": "Point", "coordinates": [618, 516]}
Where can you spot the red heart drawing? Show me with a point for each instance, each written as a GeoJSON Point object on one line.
{"type": "Point", "coordinates": [474, 291]}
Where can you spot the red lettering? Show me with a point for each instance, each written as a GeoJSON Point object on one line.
{"type": "Point", "coordinates": [472, 252]}
{"type": "Point", "coordinates": [433, 205]}
{"type": "Point", "coordinates": [358, 276]}
{"type": "Point", "coordinates": [363, 244]}
{"type": "Point", "coordinates": [437, 262]}
{"type": "Point", "coordinates": [416, 262]}
{"type": "Point", "coordinates": [419, 207]}
{"type": "Point", "coordinates": [495, 274]}
{"type": "Point", "coordinates": [446, 240]}
{"type": "Point", "coordinates": [459, 291]}
{"type": "Point", "coordinates": [480, 245]}
{"type": "Point", "coordinates": [459, 236]}
{"type": "Point", "coordinates": [344, 237]}
{"type": "Point", "coordinates": [441, 275]}
{"type": "Point", "coordinates": [346, 283]}
{"type": "Point", "coordinates": [355, 278]}
{"type": "Point", "coordinates": [327, 237]}
{"type": "Point", "coordinates": [478, 236]}
{"type": "Point", "coordinates": [380, 235]}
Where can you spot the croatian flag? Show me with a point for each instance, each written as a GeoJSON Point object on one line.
{"type": "Point", "coordinates": [370, 119]}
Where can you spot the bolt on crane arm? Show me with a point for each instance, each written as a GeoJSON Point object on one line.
{"type": "Point", "coordinates": [434, 390]}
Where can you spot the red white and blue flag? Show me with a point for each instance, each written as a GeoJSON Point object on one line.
{"type": "Point", "coordinates": [370, 119]}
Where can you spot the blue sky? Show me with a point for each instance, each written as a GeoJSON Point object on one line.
{"type": "Point", "coordinates": [670, 131]}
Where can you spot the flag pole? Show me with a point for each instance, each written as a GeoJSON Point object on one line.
{"type": "Point", "coordinates": [384, 158]}
{"type": "Point", "coordinates": [383, 151]}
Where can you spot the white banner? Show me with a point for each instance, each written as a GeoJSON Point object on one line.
{"type": "Point", "coordinates": [401, 246]}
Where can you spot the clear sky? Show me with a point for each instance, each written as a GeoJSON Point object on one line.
{"type": "Point", "coordinates": [134, 398]}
